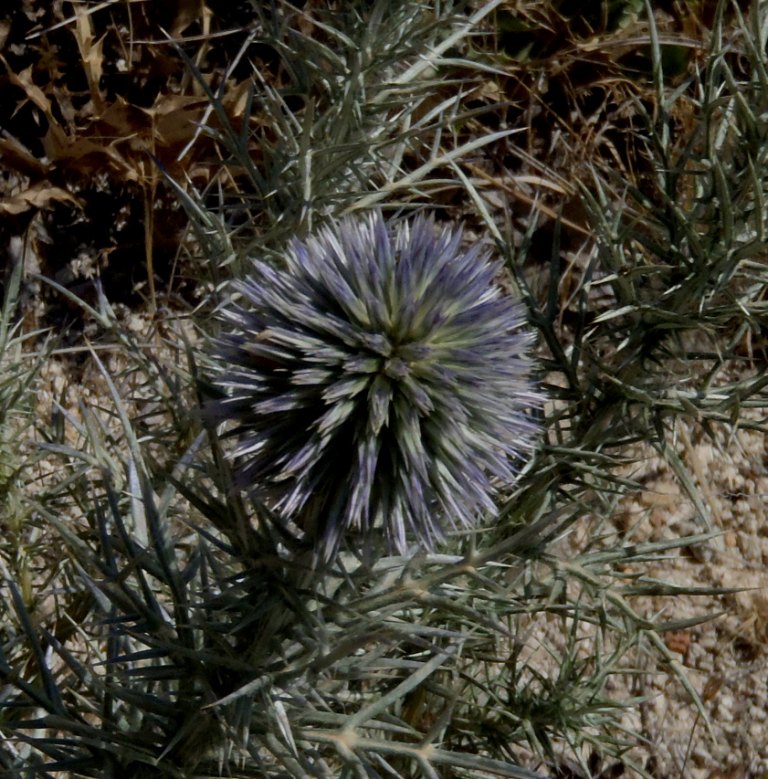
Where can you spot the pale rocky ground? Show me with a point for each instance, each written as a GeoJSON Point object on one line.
{"type": "Point", "coordinates": [725, 658]}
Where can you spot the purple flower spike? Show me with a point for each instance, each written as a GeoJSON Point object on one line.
{"type": "Point", "coordinates": [381, 380]}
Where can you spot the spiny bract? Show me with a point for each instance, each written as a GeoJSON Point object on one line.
{"type": "Point", "coordinates": [381, 379]}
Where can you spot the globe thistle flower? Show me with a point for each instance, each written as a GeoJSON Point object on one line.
{"type": "Point", "coordinates": [381, 379]}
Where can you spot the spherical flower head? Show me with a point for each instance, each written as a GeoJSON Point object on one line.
{"type": "Point", "coordinates": [381, 379]}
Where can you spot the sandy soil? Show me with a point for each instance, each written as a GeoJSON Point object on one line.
{"type": "Point", "coordinates": [725, 658]}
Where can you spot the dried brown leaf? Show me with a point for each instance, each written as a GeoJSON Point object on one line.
{"type": "Point", "coordinates": [87, 155]}
{"type": "Point", "coordinates": [37, 196]}
{"type": "Point", "coordinates": [17, 157]}
{"type": "Point", "coordinates": [91, 53]}
{"type": "Point", "coordinates": [5, 28]}
{"type": "Point", "coordinates": [187, 12]}
{"type": "Point", "coordinates": [176, 118]}
{"type": "Point", "coordinates": [31, 90]}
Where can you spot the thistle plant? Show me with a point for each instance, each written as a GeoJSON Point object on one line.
{"type": "Point", "coordinates": [378, 383]}
{"type": "Point", "coordinates": [380, 380]}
